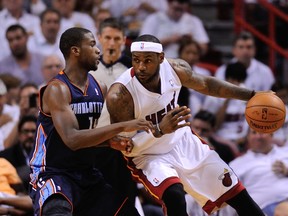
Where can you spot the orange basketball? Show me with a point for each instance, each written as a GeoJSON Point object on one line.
{"type": "Point", "coordinates": [265, 112]}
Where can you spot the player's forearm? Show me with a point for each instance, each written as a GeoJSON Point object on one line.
{"type": "Point", "coordinates": [88, 138]}
{"type": "Point", "coordinates": [220, 88]}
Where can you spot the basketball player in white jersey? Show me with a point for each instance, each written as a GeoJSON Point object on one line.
{"type": "Point", "coordinates": [171, 160]}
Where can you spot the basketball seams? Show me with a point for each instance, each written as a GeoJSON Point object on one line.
{"type": "Point", "coordinates": [264, 106]}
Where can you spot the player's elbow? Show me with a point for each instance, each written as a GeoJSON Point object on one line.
{"type": "Point", "coordinates": [72, 142]}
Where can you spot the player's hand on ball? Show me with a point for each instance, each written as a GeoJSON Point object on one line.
{"type": "Point", "coordinates": [121, 143]}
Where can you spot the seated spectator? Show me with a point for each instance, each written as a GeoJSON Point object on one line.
{"type": "Point", "coordinates": [281, 135]}
{"type": "Point", "coordinates": [18, 154]}
{"type": "Point", "coordinates": [22, 63]}
{"type": "Point", "coordinates": [190, 51]}
{"type": "Point", "coordinates": [100, 16]}
{"type": "Point", "coordinates": [71, 18]}
{"type": "Point", "coordinates": [170, 26]}
{"type": "Point", "coordinates": [10, 183]}
{"type": "Point", "coordinates": [133, 13]}
{"type": "Point", "coordinates": [203, 124]}
{"type": "Point", "coordinates": [46, 40]}
{"type": "Point", "coordinates": [263, 170]}
{"type": "Point", "coordinates": [230, 114]}
{"type": "Point", "coordinates": [51, 66]}
{"type": "Point", "coordinates": [281, 209]}
{"type": "Point", "coordinates": [259, 76]}
{"type": "Point", "coordinates": [16, 205]}
{"type": "Point", "coordinates": [9, 117]}
{"type": "Point", "coordinates": [14, 13]}
{"type": "Point", "coordinates": [13, 88]}
{"type": "Point", "coordinates": [28, 101]}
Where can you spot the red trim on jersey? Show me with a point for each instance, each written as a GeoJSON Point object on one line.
{"type": "Point", "coordinates": [132, 72]}
{"type": "Point", "coordinates": [210, 206]}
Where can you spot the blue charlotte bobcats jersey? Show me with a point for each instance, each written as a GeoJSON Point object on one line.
{"type": "Point", "coordinates": [50, 154]}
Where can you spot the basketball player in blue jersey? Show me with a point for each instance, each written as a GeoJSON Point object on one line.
{"type": "Point", "coordinates": [171, 160]}
{"type": "Point", "coordinates": [65, 179]}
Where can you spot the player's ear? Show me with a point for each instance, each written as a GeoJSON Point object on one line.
{"type": "Point", "coordinates": [75, 50]}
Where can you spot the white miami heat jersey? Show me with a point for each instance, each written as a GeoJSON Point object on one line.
{"type": "Point", "coordinates": [153, 107]}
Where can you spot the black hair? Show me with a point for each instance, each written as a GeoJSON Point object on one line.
{"type": "Point", "coordinates": [71, 37]}
{"type": "Point", "coordinates": [279, 85]}
{"type": "Point", "coordinates": [113, 23]}
{"type": "Point", "coordinates": [15, 27]}
{"type": "Point", "coordinates": [147, 38]}
{"type": "Point", "coordinates": [29, 84]}
{"type": "Point", "coordinates": [236, 71]}
{"type": "Point", "coordinates": [206, 116]}
{"type": "Point", "coordinates": [49, 10]}
{"type": "Point", "coordinates": [180, 1]}
{"type": "Point", "coordinates": [26, 118]}
{"type": "Point", "coordinates": [244, 35]}
{"type": "Point", "coordinates": [186, 41]}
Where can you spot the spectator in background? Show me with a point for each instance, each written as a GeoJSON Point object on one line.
{"type": "Point", "coordinates": [51, 66]}
{"type": "Point", "coordinates": [190, 51]}
{"type": "Point", "coordinates": [113, 62]}
{"type": "Point", "coordinates": [280, 137]}
{"type": "Point", "coordinates": [172, 25]}
{"type": "Point", "coordinates": [36, 7]}
{"type": "Point", "coordinates": [230, 113]}
{"type": "Point", "coordinates": [13, 88]}
{"type": "Point", "coordinates": [133, 13]}
{"type": "Point", "coordinates": [16, 205]}
{"type": "Point", "coordinates": [10, 187]}
{"type": "Point", "coordinates": [9, 117]}
{"type": "Point", "coordinates": [18, 154]}
{"type": "Point", "coordinates": [259, 76]}
{"type": "Point", "coordinates": [28, 99]}
{"type": "Point", "coordinates": [281, 209]}
{"type": "Point", "coordinates": [46, 40]}
{"type": "Point", "coordinates": [263, 171]}
{"type": "Point", "coordinates": [21, 63]}
{"type": "Point", "coordinates": [14, 13]}
{"type": "Point", "coordinates": [100, 16]}
{"type": "Point", "coordinates": [10, 183]}
{"type": "Point", "coordinates": [203, 124]}
{"type": "Point", "coordinates": [72, 18]}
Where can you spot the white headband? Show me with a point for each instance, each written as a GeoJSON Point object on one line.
{"type": "Point", "coordinates": [143, 46]}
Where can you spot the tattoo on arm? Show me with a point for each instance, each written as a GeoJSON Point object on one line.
{"type": "Point", "coordinates": [120, 104]}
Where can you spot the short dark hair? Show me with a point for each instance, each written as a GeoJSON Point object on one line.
{"type": "Point", "coordinates": [10, 80]}
{"type": "Point", "coordinates": [15, 27]}
{"type": "Point", "coordinates": [186, 41]}
{"type": "Point", "coordinates": [113, 23]}
{"type": "Point", "coordinates": [29, 84]}
{"type": "Point", "coordinates": [147, 38]}
{"type": "Point", "coordinates": [26, 118]}
{"type": "Point", "coordinates": [206, 116]}
{"type": "Point", "coordinates": [71, 37]}
{"type": "Point", "coordinates": [49, 10]}
{"type": "Point", "coordinates": [180, 1]}
{"type": "Point", "coordinates": [244, 35]}
{"type": "Point", "coordinates": [236, 71]}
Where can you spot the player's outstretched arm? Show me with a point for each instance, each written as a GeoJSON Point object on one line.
{"type": "Point", "coordinates": [56, 101]}
{"type": "Point", "coordinates": [207, 84]}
